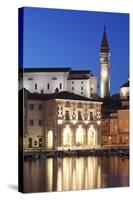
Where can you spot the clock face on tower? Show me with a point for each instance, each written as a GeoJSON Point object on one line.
{"type": "Point", "coordinates": [104, 59]}
{"type": "Point", "coordinates": [101, 59]}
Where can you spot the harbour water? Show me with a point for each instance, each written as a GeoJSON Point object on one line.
{"type": "Point", "coordinates": [75, 173]}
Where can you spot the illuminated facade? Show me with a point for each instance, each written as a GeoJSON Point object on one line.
{"type": "Point", "coordinates": [49, 80]}
{"type": "Point", "coordinates": [104, 68]}
{"type": "Point", "coordinates": [115, 119]}
{"type": "Point", "coordinates": [115, 128]}
{"type": "Point", "coordinates": [62, 121]}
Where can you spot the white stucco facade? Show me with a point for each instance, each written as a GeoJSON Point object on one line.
{"type": "Point", "coordinates": [83, 84]}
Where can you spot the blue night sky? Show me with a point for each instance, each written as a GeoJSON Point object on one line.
{"type": "Point", "coordinates": [67, 38]}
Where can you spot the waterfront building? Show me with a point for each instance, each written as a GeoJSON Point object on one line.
{"type": "Point", "coordinates": [115, 118]}
{"type": "Point", "coordinates": [62, 120]}
{"type": "Point", "coordinates": [123, 125]}
{"type": "Point", "coordinates": [110, 129]}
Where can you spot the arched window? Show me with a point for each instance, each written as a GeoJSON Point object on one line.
{"type": "Point", "coordinates": [91, 137]}
{"type": "Point", "coordinates": [67, 137]}
{"type": "Point", "coordinates": [50, 139]}
{"type": "Point", "coordinates": [79, 136]}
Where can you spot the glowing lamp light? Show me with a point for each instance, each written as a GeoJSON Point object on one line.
{"type": "Point", "coordinates": [98, 122]}
{"type": "Point", "coordinates": [60, 121]}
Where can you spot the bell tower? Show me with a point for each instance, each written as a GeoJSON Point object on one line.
{"type": "Point", "coordinates": [104, 67]}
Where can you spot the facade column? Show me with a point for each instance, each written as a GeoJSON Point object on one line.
{"type": "Point", "coordinates": [72, 136]}
{"type": "Point", "coordinates": [85, 135]}
{"type": "Point", "coordinates": [99, 135]}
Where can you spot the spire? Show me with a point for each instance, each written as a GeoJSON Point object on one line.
{"type": "Point", "coordinates": [104, 44]}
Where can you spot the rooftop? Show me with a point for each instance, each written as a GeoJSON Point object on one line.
{"type": "Point", "coordinates": [60, 69]}
{"type": "Point", "coordinates": [60, 95]}
{"type": "Point", "coordinates": [125, 84]}
{"type": "Point", "coordinates": [28, 70]}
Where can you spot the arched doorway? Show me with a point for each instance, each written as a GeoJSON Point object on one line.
{"type": "Point", "coordinates": [91, 137]}
{"type": "Point", "coordinates": [79, 136]}
{"type": "Point", "coordinates": [67, 137]}
{"type": "Point", "coordinates": [50, 139]}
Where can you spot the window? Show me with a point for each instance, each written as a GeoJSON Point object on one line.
{"type": "Point", "coordinates": [35, 142]}
{"type": "Point", "coordinates": [40, 122]}
{"type": "Point", "coordinates": [81, 82]}
{"type": "Point", "coordinates": [36, 86]}
{"type": "Point", "coordinates": [30, 142]}
{"type": "Point", "coordinates": [67, 115]}
{"type": "Point", "coordinates": [48, 86]}
{"type": "Point", "coordinates": [91, 115]}
{"type": "Point", "coordinates": [72, 82]}
{"type": "Point", "coordinates": [30, 79]}
{"type": "Point", "coordinates": [40, 107]}
{"type": "Point", "coordinates": [40, 142]}
{"type": "Point", "coordinates": [72, 88]}
{"type": "Point", "coordinates": [31, 122]}
{"type": "Point", "coordinates": [54, 78]}
{"type": "Point", "coordinates": [41, 91]}
{"type": "Point", "coordinates": [81, 88]}
{"type": "Point", "coordinates": [81, 92]}
{"type": "Point", "coordinates": [60, 86]}
{"type": "Point", "coordinates": [31, 106]}
{"type": "Point", "coordinates": [79, 115]}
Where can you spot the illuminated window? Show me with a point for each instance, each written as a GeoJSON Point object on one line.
{"type": "Point", "coordinates": [67, 137]}
{"type": "Point", "coordinates": [79, 137]}
{"type": "Point", "coordinates": [50, 139]}
{"type": "Point", "coordinates": [91, 137]}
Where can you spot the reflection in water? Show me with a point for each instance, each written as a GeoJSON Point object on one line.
{"type": "Point", "coordinates": [73, 173]}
